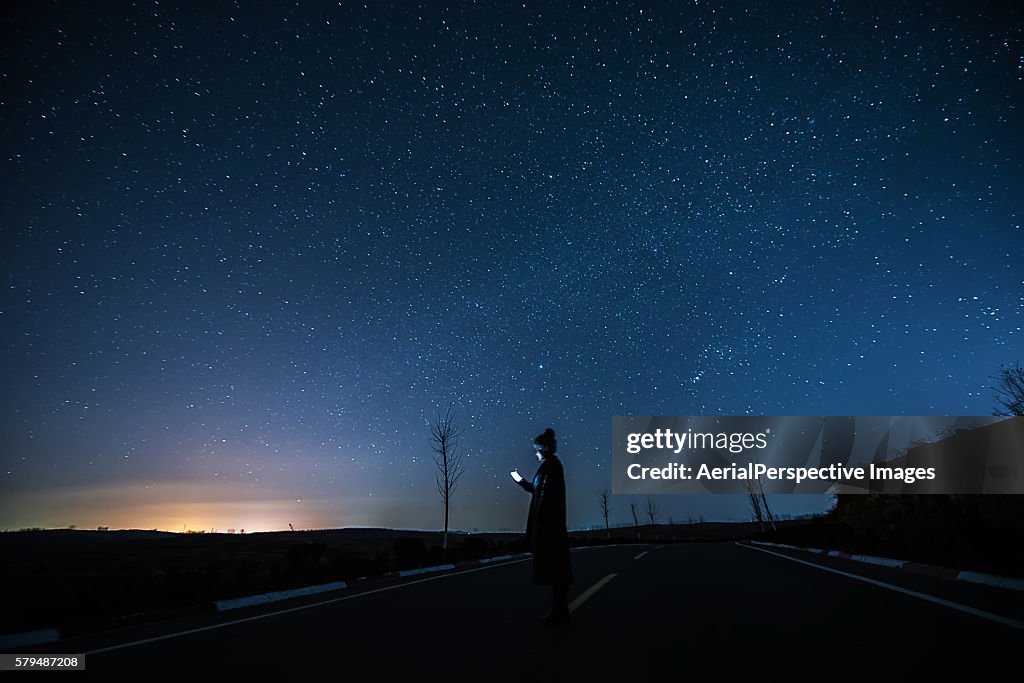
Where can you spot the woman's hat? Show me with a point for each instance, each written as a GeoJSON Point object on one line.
{"type": "Point", "coordinates": [547, 439]}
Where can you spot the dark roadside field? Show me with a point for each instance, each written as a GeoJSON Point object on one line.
{"type": "Point", "coordinates": [87, 581]}
{"type": "Point", "coordinates": [82, 581]}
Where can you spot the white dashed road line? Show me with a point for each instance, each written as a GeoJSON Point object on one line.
{"type": "Point", "coordinates": [585, 595]}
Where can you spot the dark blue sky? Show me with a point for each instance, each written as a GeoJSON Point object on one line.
{"type": "Point", "coordinates": [250, 249]}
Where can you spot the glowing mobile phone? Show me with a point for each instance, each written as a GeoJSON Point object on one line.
{"type": "Point", "coordinates": [516, 476]}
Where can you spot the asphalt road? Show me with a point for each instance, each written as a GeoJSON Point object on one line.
{"type": "Point", "coordinates": [707, 609]}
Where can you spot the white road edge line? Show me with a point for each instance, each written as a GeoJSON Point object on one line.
{"type": "Point", "coordinates": [640, 555]}
{"type": "Point", "coordinates": [585, 595]}
{"type": "Point", "coordinates": [999, 619]}
{"type": "Point", "coordinates": [267, 615]}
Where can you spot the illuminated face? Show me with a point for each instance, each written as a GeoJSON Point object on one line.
{"type": "Point", "coordinates": [540, 451]}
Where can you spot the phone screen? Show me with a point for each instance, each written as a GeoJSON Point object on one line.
{"type": "Point", "coordinates": [516, 476]}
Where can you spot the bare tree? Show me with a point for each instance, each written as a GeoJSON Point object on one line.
{"type": "Point", "coordinates": [652, 510]}
{"type": "Point", "coordinates": [755, 502]}
{"type": "Point", "coordinates": [606, 509]}
{"type": "Point", "coordinates": [764, 504]}
{"type": "Point", "coordinates": [1010, 391]}
{"type": "Point", "coordinates": [444, 441]}
{"type": "Point", "coordinates": [759, 503]}
{"type": "Point", "coordinates": [634, 509]}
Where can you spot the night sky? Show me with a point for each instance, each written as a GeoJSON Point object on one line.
{"type": "Point", "coordinates": [250, 249]}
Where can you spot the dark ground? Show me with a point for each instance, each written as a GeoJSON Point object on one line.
{"type": "Point", "coordinates": [88, 581]}
{"type": "Point", "coordinates": [706, 609]}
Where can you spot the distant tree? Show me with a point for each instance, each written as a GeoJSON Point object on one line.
{"type": "Point", "coordinates": [755, 502]}
{"type": "Point", "coordinates": [764, 504]}
{"type": "Point", "coordinates": [445, 439]}
{"type": "Point", "coordinates": [1010, 391]}
{"type": "Point", "coordinates": [606, 509]}
{"type": "Point", "coordinates": [231, 531]}
{"type": "Point", "coordinates": [652, 510]}
{"type": "Point", "coordinates": [634, 509]}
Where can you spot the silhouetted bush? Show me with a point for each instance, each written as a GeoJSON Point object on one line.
{"type": "Point", "coordinates": [475, 548]}
{"type": "Point", "coordinates": [958, 531]}
{"type": "Point", "coordinates": [381, 563]}
{"type": "Point", "coordinates": [348, 567]}
{"type": "Point", "coordinates": [437, 555]}
{"type": "Point", "coordinates": [244, 573]}
{"type": "Point", "coordinates": [304, 557]}
{"type": "Point", "coordinates": [409, 553]}
{"type": "Point", "coordinates": [276, 579]}
{"type": "Point", "coordinates": [519, 545]}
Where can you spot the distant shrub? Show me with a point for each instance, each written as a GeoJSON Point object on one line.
{"type": "Point", "coordinates": [474, 548]}
{"type": "Point", "coordinates": [304, 556]}
{"type": "Point", "coordinates": [381, 563]}
{"type": "Point", "coordinates": [409, 553]}
{"type": "Point", "coordinates": [244, 573]}
{"type": "Point", "coordinates": [437, 555]}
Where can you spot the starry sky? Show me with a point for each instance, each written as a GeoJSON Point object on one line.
{"type": "Point", "coordinates": [251, 249]}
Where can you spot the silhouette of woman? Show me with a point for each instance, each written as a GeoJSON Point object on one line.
{"type": "Point", "coordinates": [546, 533]}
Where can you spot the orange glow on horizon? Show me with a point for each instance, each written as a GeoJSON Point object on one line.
{"type": "Point", "coordinates": [169, 507]}
{"type": "Point", "coordinates": [204, 506]}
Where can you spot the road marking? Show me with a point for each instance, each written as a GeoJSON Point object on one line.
{"type": "Point", "coordinates": [267, 615]}
{"type": "Point", "coordinates": [607, 545]}
{"type": "Point", "coordinates": [640, 555]}
{"type": "Point", "coordinates": [999, 619]}
{"type": "Point", "coordinates": [585, 595]}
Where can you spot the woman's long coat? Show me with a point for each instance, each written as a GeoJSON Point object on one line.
{"type": "Point", "coordinates": [546, 533]}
